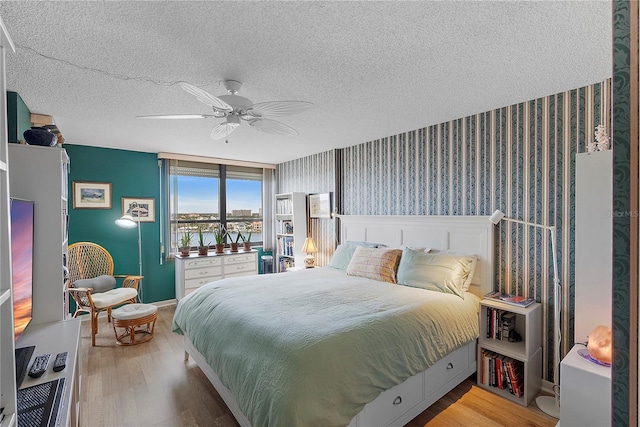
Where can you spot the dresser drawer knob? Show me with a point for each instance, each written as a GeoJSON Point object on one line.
{"type": "Point", "coordinates": [450, 366]}
{"type": "Point", "coordinates": [397, 400]}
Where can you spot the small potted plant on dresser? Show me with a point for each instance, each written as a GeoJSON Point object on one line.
{"type": "Point", "coordinates": [235, 243]}
{"type": "Point", "coordinates": [246, 241]}
{"type": "Point", "coordinates": [203, 247]}
{"type": "Point", "coordinates": [185, 243]}
{"type": "Point", "coordinates": [218, 234]}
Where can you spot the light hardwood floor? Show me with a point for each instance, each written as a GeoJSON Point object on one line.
{"type": "Point", "coordinates": [150, 384]}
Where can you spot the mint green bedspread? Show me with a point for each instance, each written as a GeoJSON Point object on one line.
{"type": "Point", "coordinates": [311, 348]}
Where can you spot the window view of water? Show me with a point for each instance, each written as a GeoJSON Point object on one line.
{"type": "Point", "coordinates": [198, 202]}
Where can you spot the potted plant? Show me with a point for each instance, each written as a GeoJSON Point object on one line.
{"type": "Point", "coordinates": [246, 241]}
{"type": "Point", "coordinates": [234, 243]}
{"type": "Point", "coordinates": [203, 247]}
{"type": "Point", "coordinates": [185, 243]}
{"type": "Point", "coordinates": [218, 234]}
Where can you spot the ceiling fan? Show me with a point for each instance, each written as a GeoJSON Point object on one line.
{"type": "Point", "coordinates": [234, 108]}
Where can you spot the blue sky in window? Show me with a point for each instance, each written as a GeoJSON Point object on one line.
{"type": "Point", "coordinates": [197, 194]}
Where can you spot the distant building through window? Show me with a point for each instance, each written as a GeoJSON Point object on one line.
{"type": "Point", "coordinates": [210, 197]}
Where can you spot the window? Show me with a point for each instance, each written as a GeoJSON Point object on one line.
{"type": "Point", "coordinates": [209, 196]}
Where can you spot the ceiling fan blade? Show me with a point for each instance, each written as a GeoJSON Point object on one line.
{"type": "Point", "coordinates": [278, 108]}
{"type": "Point", "coordinates": [206, 97]}
{"type": "Point", "coordinates": [272, 126]}
{"type": "Point", "coordinates": [178, 116]}
{"type": "Point", "coordinates": [223, 129]}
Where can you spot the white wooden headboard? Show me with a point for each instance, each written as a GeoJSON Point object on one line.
{"type": "Point", "coordinates": [472, 235]}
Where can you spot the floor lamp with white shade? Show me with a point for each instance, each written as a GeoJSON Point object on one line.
{"type": "Point", "coordinates": [128, 221]}
{"type": "Point", "coordinates": [550, 405]}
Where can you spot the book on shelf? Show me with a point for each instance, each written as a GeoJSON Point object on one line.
{"type": "Point", "coordinates": [500, 323]}
{"type": "Point", "coordinates": [502, 372]}
{"type": "Point", "coordinates": [284, 227]}
{"type": "Point", "coordinates": [284, 206]}
{"type": "Point", "coordinates": [285, 245]}
{"type": "Point", "coordinates": [517, 300]}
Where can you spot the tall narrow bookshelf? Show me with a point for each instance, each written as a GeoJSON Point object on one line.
{"type": "Point", "coordinates": [7, 356]}
{"type": "Point", "coordinates": [50, 299]}
{"type": "Point", "coordinates": [291, 229]}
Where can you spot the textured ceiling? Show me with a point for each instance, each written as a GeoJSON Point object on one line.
{"type": "Point", "coordinates": [371, 69]}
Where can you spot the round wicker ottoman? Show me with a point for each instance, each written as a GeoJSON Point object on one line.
{"type": "Point", "coordinates": [132, 319]}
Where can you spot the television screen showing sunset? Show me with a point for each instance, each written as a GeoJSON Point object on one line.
{"type": "Point", "coordinates": [22, 263]}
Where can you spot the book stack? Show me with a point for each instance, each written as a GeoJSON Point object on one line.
{"type": "Point", "coordinates": [502, 372]}
{"type": "Point", "coordinates": [500, 323]}
{"type": "Point", "coordinates": [286, 264]}
{"type": "Point", "coordinates": [284, 206]}
{"type": "Point", "coordinates": [284, 227]}
{"type": "Point", "coordinates": [517, 300]}
{"type": "Point", "coordinates": [285, 245]}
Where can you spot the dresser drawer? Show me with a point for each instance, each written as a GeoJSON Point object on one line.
{"type": "Point", "coordinates": [194, 273]}
{"type": "Point", "coordinates": [240, 258]}
{"type": "Point", "coordinates": [202, 262]}
{"type": "Point", "coordinates": [393, 403]}
{"type": "Point", "coordinates": [235, 269]}
{"type": "Point", "coordinates": [447, 368]}
{"type": "Point", "coordinates": [196, 283]}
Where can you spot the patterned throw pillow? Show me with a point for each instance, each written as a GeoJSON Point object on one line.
{"type": "Point", "coordinates": [375, 263]}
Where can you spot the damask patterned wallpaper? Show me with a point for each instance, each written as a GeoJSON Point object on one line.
{"type": "Point", "coordinates": [626, 175]}
{"type": "Point", "coordinates": [519, 159]}
{"type": "Point", "coordinates": [313, 174]}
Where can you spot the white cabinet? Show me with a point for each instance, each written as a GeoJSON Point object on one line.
{"type": "Point", "coordinates": [40, 174]}
{"type": "Point", "coordinates": [195, 270]}
{"type": "Point", "coordinates": [494, 354]}
{"type": "Point", "coordinates": [291, 230]}
{"type": "Point", "coordinates": [594, 222]}
{"type": "Point", "coordinates": [54, 338]}
{"type": "Point", "coordinates": [7, 356]}
{"type": "Point", "coordinates": [585, 389]}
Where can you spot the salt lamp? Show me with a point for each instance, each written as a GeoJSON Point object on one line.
{"type": "Point", "coordinates": [600, 344]}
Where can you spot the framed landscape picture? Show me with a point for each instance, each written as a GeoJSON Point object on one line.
{"type": "Point", "coordinates": [320, 205]}
{"type": "Point", "coordinates": [140, 208]}
{"type": "Point", "coordinates": [91, 195]}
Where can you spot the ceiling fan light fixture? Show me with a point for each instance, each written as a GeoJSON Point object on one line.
{"type": "Point", "coordinates": [234, 108]}
{"type": "Point", "coordinates": [233, 120]}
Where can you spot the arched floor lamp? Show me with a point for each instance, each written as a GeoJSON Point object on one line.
{"type": "Point", "coordinates": [550, 405]}
{"type": "Point", "coordinates": [127, 221]}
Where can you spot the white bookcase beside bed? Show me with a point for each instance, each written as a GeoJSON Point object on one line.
{"type": "Point", "coordinates": [400, 404]}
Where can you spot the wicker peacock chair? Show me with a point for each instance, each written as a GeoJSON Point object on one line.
{"type": "Point", "coordinates": [89, 266]}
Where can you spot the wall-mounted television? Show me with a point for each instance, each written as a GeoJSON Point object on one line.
{"type": "Point", "coordinates": [22, 224]}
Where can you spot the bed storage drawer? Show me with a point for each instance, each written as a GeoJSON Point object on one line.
{"type": "Point", "coordinates": [447, 368]}
{"type": "Point", "coordinates": [393, 403]}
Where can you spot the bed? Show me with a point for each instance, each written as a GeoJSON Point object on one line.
{"type": "Point", "coordinates": [321, 347]}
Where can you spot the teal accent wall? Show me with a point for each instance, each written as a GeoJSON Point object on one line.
{"type": "Point", "coordinates": [131, 174]}
{"type": "Point", "coordinates": [18, 117]}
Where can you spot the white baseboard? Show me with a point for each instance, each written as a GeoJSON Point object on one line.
{"type": "Point", "coordinates": [159, 304]}
{"type": "Point", "coordinates": [547, 387]}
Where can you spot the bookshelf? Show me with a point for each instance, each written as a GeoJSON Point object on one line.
{"type": "Point", "coordinates": [521, 361]}
{"type": "Point", "coordinates": [291, 229]}
{"type": "Point", "coordinates": [8, 403]}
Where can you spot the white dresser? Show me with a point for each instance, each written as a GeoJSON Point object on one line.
{"type": "Point", "coordinates": [196, 270]}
